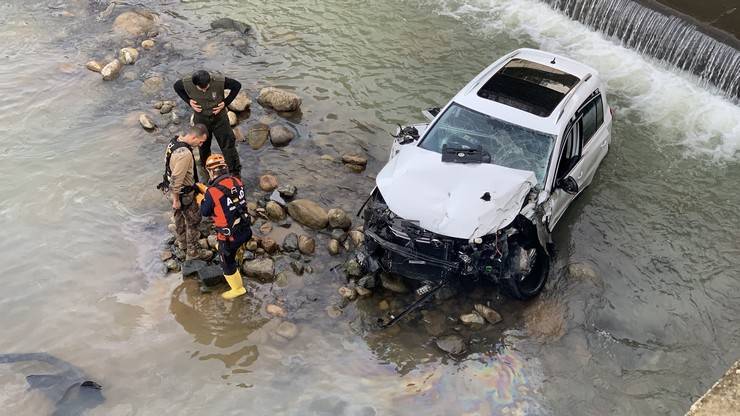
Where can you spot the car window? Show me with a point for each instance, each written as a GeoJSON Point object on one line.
{"type": "Point", "coordinates": [592, 119]}
{"type": "Point", "coordinates": [570, 152]}
{"type": "Point", "coordinates": [509, 145]}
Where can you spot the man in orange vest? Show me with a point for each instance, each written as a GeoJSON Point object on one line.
{"type": "Point", "coordinates": [224, 201]}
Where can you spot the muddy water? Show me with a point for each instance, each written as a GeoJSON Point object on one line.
{"type": "Point", "coordinates": [83, 225]}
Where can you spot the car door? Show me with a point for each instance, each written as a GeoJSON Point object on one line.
{"type": "Point", "coordinates": [595, 136]}
{"type": "Point", "coordinates": [584, 145]}
{"type": "Point", "coordinates": [569, 164]}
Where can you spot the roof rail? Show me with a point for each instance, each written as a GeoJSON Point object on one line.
{"type": "Point", "coordinates": [571, 94]}
{"type": "Point", "coordinates": [485, 74]}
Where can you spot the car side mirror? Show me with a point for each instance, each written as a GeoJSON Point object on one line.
{"type": "Point", "coordinates": [568, 184]}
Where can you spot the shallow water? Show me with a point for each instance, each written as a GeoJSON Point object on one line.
{"type": "Point", "coordinates": [84, 225]}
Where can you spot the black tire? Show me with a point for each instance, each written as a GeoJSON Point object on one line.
{"type": "Point", "coordinates": [525, 287]}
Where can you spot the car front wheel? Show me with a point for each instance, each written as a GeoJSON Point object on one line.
{"type": "Point", "coordinates": [530, 268]}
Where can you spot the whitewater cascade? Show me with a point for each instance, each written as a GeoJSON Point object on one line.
{"type": "Point", "coordinates": [664, 37]}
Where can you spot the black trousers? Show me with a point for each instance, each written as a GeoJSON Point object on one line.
{"type": "Point", "coordinates": [219, 126]}
{"type": "Point", "coordinates": [228, 249]}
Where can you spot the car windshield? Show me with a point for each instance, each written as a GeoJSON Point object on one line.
{"type": "Point", "coordinates": [508, 144]}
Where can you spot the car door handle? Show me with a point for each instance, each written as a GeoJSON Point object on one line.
{"type": "Point", "coordinates": [580, 175]}
{"type": "Point", "coordinates": [604, 143]}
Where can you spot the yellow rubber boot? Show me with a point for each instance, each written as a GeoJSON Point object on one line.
{"type": "Point", "coordinates": [236, 284]}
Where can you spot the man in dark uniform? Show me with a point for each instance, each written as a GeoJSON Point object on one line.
{"type": "Point", "coordinates": [204, 93]}
{"type": "Point", "coordinates": [224, 201]}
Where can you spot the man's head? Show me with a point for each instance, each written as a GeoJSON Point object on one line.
{"type": "Point", "coordinates": [216, 165]}
{"type": "Point", "coordinates": [202, 79]}
{"type": "Point", "coordinates": [195, 135]}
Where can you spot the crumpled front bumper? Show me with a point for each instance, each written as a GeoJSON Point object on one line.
{"type": "Point", "coordinates": [408, 262]}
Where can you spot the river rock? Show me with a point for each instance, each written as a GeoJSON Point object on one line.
{"type": "Point", "coordinates": [363, 292]}
{"type": "Point", "coordinates": [228, 23]}
{"type": "Point", "coordinates": [190, 267]}
{"type": "Point", "coordinates": [334, 247]}
{"type": "Point", "coordinates": [353, 269]}
{"type": "Point", "coordinates": [233, 119]}
{"type": "Point", "coordinates": [306, 245]}
{"type": "Point", "coordinates": [472, 319]}
{"type": "Point", "coordinates": [211, 276]}
{"type": "Point", "coordinates": [261, 269]}
{"type": "Point", "coordinates": [287, 330]}
{"type": "Point", "coordinates": [452, 344]}
{"type": "Point", "coordinates": [274, 211]}
{"type": "Point", "coordinates": [298, 267]}
{"type": "Point", "coordinates": [147, 44]}
{"type": "Point", "coordinates": [172, 265]}
{"type": "Point", "coordinates": [252, 245]}
{"type": "Point", "coordinates": [258, 135]}
{"type": "Point", "coordinates": [290, 243]}
{"type": "Point", "coordinates": [393, 283]}
{"type": "Point", "coordinates": [146, 122]}
{"type": "Point", "coordinates": [94, 66]}
{"type": "Point", "coordinates": [308, 213]}
{"type": "Point", "coordinates": [581, 271]}
{"type": "Point", "coordinates": [165, 255]}
{"type": "Point", "coordinates": [134, 23]}
{"type": "Point", "coordinates": [333, 311]}
{"type": "Point", "coordinates": [354, 159]}
{"type": "Point", "coordinates": [287, 191]}
{"type": "Point", "coordinates": [383, 305]}
{"type": "Point", "coordinates": [357, 238]}
{"type": "Point", "coordinates": [278, 99]}
{"type": "Point", "coordinates": [268, 183]}
{"type": "Point", "coordinates": [128, 56]}
{"type": "Point", "coordinates": [355, 168]}
{"type": "Point", "coordinates": [270, 245]}
{"type": "Point", "coordinates": [152, 85]}
{"type": "Point", "coordinates": [339, 235]}
{"type": "Point", "coordinates": [275, 310]}
{"type": "Point", "coordinates": [266, 228]}
{"type": "Point", "coordinates": [213, 241]}
{"type": "Point", "coordinates": [339, 219]}
{"type": "Point", "coordinates": [347, 293]}
{"type": "Point", "coordinates": [368, 281]}
{"type": "Point", "coordinates": [165, 108]}
{"type": "Point", "coordinates": [488, 314]}
{"type": "Point", "coordinates": [281, 136]}
{"type": "Point", "coordinates": [111, 71]}
{"type": "Point", "coordinates": [240, 103]}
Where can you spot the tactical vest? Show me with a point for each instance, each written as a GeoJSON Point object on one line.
{"type": "Point", "coordinates": [175, 144]}
{"type": "Point", "coordinates": [212, 97]}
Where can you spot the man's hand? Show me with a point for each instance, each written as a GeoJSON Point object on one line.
{"type": "Point", "coordinates": [176, 202]}
{"type": "Point", "coordinates": [199, 198]}
{"type": "Point", "coordinates": [195, 106]}
{"type": "Point", "coordinates": [217, 109]}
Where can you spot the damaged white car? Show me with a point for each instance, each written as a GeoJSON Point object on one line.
{"type": "Point", "coordinates": [476, 192]}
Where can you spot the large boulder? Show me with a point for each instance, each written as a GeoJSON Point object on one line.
{"type": "Point", "coordinates": [258, 135]}
{"type": "Point", "coordinates": [278, 99]}
{"type": "Point", "coordinates": [339, 219]}
{"type": "Point", "coordinates": [280, 136]}
{"type": "Point", "coordinates": [111, 70]}
{"type": "Point", "coordinates": [260, 269]}
{"type": "Point", "coordinates": [308, 213]}
{"type": "Point", "coordinates": [135, 23]}
{"type": "Point", "coordinates": [240, 103]}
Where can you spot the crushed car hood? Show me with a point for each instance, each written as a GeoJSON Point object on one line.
{"type": "Point", "coordinates": [447, 198]}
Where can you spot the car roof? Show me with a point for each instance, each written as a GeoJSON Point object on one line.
{"type": "Point", "coordinates": [543, 105]}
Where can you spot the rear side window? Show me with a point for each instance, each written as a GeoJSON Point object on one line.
{"type": "Point", "coordinates": [592, 119]}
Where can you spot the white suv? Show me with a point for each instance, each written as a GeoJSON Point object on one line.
{"type": "Point", "coordinates": [477, 191]}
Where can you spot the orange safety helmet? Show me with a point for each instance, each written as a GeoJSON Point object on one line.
{"type": "Point", "coordinates": [216, 161]}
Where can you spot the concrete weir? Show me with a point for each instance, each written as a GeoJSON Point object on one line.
{"type": "Point", "coordinates": [723, 398]}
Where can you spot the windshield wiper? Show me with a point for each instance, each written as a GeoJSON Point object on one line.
{"type": "Point", "coordinates": [476, 154]}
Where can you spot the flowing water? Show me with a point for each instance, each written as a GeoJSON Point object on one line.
{"type": "Point", "coordinates": [83, 224]}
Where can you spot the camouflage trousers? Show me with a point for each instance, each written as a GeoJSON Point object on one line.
{"type": "Point", "coordinates": [187, 219]}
